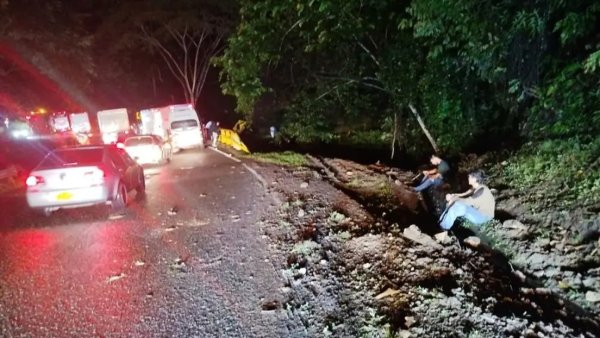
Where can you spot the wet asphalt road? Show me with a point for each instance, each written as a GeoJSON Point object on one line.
{"type": "Point", "coordinates": [203, 271]}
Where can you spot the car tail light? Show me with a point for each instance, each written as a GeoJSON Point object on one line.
{"type": "Point", "coordinates": [32, 181]}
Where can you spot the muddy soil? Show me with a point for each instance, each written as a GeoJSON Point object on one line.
{"type": "Point", "coordinates": [355, 266]}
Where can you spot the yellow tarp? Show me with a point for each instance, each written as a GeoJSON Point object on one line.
{"type": "Point", "coordinates": [230, 138]}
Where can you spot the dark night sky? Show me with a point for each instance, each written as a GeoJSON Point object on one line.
{"type": "Point", "coordinates": [25, 86]}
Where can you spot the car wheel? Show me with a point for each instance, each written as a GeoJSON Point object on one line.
{"type": "Point", "coordinates": [141, 189]}
{"type": "Point", "coordinates": [120, 200]}
{"type": "Point", "coordinates": [45, 212]}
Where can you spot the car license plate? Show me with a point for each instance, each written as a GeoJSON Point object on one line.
{"type": "Point", "coordinates": [64, 196]}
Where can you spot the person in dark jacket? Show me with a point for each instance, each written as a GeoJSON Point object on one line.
{"type": "Point", "coordinates": [435, 176]}
{"type": "Point", "coordinates": [214, 130]}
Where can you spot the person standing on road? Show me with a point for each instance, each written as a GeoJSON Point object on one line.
{"type": "Point", "coordinates": [476, 204]}
{"type": "Point", "coordinates": [435, 176]}
{"type": "Point", "coordinates": [214, 132]}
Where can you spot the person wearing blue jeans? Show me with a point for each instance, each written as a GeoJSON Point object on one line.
{"type": "Point", "coordinates": [434, 176]}
{"type": "Point", "coordinates": [476, 204]}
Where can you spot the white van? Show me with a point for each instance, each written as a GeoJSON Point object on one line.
{"type": "Point", "coordinates": [186, 131]}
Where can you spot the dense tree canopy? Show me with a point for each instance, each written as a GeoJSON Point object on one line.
{"type": "Point", "coordinates": [476, 70]}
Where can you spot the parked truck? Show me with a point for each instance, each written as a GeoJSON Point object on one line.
{"type": "Point", "coordinates": [113, 122]}
{"type": "Point", "coordinates": [155, 122]}
{"type": "Point", "coordinates": [178, 123]}
{"type": "Point", "coordinates": [81, 127]}
{"type": "Point", "coordinates": [80, 123]}
{"type": "Point", "coordinates": [60, 122]}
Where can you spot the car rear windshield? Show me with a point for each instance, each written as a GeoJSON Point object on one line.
{"type": "Point", "coordinates": [72, 157]}
{"type": "Point", "coordinates": [184, 124]}
{"type": "Point", "coordinates": [138, 141]}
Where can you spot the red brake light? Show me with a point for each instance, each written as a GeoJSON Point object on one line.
{"type": "Point", "coordinates": [32, 181]}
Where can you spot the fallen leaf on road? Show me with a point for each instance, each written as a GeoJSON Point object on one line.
{"type": "Point", "coordinates": [563, 284]}
{"type": "Point", "coordinates": [202, 195]}
{"type": "Point", "coordinates": [387, 293]}
{"type": "Point", "coordinates": [115, 216]}
{"type": "Point", "coordinates": [114, 278]}
{"type": "Point", "coordinates": [139, 263]}
{"type": "Point", "coordinates": [172, 211]}
{"type": "Point", "coordinates": [171, 228]}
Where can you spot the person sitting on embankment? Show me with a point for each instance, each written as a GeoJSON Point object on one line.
{"type": "Point", "coordinates": [435, 176]}
{"type": "Point", "coordinates": [476, 204]}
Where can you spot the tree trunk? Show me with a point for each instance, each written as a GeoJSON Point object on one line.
{"type": "Point", "coordinates": [395, 133]}
{"type": "Point", "coordinates": [422, 124]}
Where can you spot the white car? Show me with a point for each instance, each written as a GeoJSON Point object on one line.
{"type": "Point", "coordinates": [84, 176]}
{"type": "Point", "coordinates": [148, 149]}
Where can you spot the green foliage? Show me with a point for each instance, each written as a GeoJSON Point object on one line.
{"type": "Point", "coordinates": [306, 248]}
{"type": "Point", "coordinates": [565, 169]}
{"type": "Point", "coordinates": [283, 158]}
{"type": "Point", "coordinates": [340, 71]}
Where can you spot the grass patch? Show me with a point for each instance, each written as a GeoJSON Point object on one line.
{"type": "Point", "coordinates": [289, 158]}
{"type": "Point", "coordinates": [567, 170]}
{"type": "Point", "coordinates": [306, 248]}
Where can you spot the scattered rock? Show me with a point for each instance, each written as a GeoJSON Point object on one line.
{"type": "Point", "coordinates": [515, 229]}
{"type": "Point", "coordinates": [473, 241]}
{"type": "Point", "coordinates": [592, 296]}
{"type": "Point", "coordinates": [304, 185]}
{"type": "Point", "coordinates": [387, 293]}
{"type": "Point", "coordinates": [520, 275]}
{"type": "Point", "coordinates": [443, 238]}
{"type": "Point", "coordinates": [414, 234]}
{"type": "Point", "coordinates": [537, 260]}
{"type": "Point", "coordinates": [589, 282]}
{"type": "Point", "coordinates": [409, 321]}
{"type": "Point", "coordinates": [404, 334]}
{"type": "Point", "coordinates": [139, 263]}
{"type": "Point", "coordinates": [173, 211]}
{"type": "Point", "coordinates": [301, 213]}
{"type": "Point", "coordinates": [270, 305]}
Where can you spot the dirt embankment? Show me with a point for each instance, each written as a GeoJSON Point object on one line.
{"type": "Point", "coordinates": [354, 265]}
